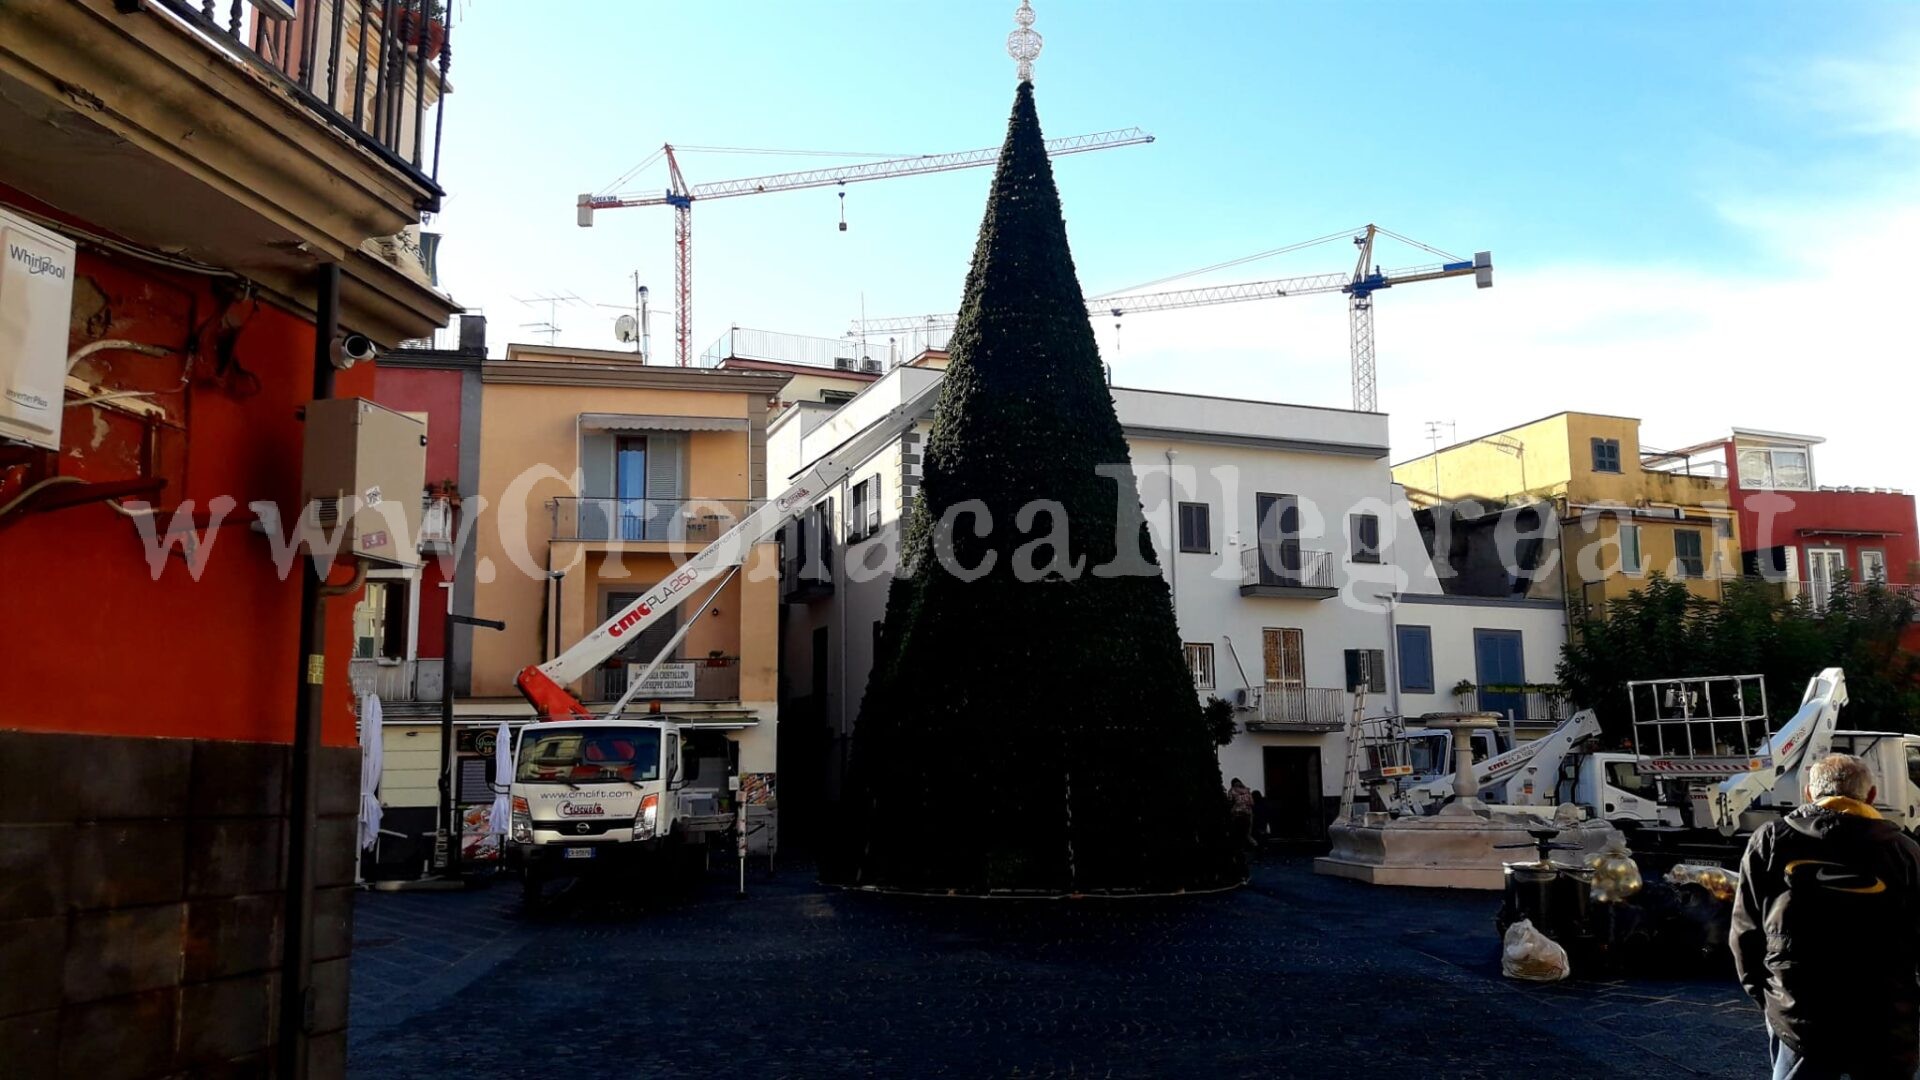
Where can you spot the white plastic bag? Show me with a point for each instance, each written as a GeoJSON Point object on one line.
{"type": "Point", "coordinates": [1526, 953]}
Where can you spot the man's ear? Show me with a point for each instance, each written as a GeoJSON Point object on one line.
{"type": "Point", "coordinates": [1872, 793]}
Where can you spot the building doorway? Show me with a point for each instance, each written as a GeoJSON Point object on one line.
{"type": "Point", "coordinates": [1296, 807]}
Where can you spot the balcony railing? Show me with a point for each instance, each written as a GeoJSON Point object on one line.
{"type": "Point", "coordinates": [712, 679]}
{"type": "Point", "coordinates": [371, 68]}
{"type": "Point", "coordinates": [1282, 568]}
{"type": "Point", "coordinates": [396, 680]}
{"type": "Point", "coordinates": [870, 357]}
{"type": "Point", "coordinates": [692, 522]}
{"type": "Point", "coordinates": [1285, 707]}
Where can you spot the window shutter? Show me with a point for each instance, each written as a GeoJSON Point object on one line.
{"type": "Point", "coordinates": [1377, 670]}
{"type": "Point", "coordinates": [663, 486]}
{"type": "Point", "coordinates": [596, 509]}
{"type": "Point", "coordinates": [873, 505]}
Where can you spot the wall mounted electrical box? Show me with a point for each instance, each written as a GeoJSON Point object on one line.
{"type": "Point", "coordinates": [362, 480]}
{"type": "Point", "coordinates": [36, 308]}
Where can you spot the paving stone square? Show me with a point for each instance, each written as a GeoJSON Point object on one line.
{"type": "Point", "coordinates": [1294, 975]}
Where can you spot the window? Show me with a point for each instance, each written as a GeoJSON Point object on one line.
{"type": "Point", "coordinates": [1686, 554]}
{"type": "Point", "coordinates": [1196, 528]}
{"type": "Point", "coordinates": [1606, 455]}
{"type": "Point", "coordinates": [836, 397]}
{"type": "Point", "coordinates": [1824, 567]}
{"type": "Point", "coordinates": [1415, 644]}
{"type": "Point", "coordinates": [380, 622]}
{"type": "Point", "coordinates": [1366, 537]}
{"type": "Point", "coordinates": [1762, 467]}
{"type": "Point", "coordinates": [1367, 670]}
{"type": "Point", "coordinates": [1626, 776]}
{"type": "Point", "coordinates": [1200, 665]}
{"type": "Point", "coordinates": [1722, 529]}
{"type": "Point", "coordinates": [1629, 549]}
{"type": "Point", "coordinates": [863, 518]}
{"type": "Point", "coordinates": [574, 755]}
{"type": "Point", "coordinates": [1873, 566]}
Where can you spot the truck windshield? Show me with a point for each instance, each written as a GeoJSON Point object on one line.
{"type": "Point", "coordinates": [585, 755]}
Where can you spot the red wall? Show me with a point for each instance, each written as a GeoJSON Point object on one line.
{"type": "Point", "coordinates": [436, 393]}
{"type": "Point", "coordinates": [1778, 518]}
{"type": "Point", "coordinates": [91, 640]}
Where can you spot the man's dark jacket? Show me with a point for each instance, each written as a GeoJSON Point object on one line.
{"type": "Point", "coordinates": [1826, 934]}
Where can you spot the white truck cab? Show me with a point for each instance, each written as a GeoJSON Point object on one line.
{"type": "Point", "coordinates": [590, 796]}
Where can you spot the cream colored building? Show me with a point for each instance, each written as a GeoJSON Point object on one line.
{"type": "Point", "coordinates": [1619, 519]}
{"type": "Point", "coordinates": [599, 475]}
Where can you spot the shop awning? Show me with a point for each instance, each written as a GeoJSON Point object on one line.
{"type": "Point", "coordinates": [651, 422]}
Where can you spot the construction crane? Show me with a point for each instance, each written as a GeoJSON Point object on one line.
{"type": "Point", "coordinates": [682, 196]}
{"type": "Point", "coordinates": [1359, 285]}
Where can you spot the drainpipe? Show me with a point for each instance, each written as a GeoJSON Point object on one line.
{"type": "Point", "coordinates": [296, 963]}
{"type": "Point", "coordinates": [1173, 538]}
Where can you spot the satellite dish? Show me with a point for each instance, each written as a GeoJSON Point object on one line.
{"type": "Point", "coordinates": [627, 329]}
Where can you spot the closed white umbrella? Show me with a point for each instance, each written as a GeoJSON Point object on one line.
{"type": "Point", "coordinates": [370, 764]}
{"type": "Point", "coordinates": [502, 816]}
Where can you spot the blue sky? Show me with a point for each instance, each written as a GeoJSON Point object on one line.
{"type": "Point", "coordinates": [1698, 211]}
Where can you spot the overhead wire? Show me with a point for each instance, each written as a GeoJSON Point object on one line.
{"type": "Point", "coordinates": [1316, 241]}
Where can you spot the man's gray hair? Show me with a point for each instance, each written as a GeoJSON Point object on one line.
{"type": "Point", "coordinates": [1839, 774]}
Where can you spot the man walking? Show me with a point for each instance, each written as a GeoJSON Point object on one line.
{"type": "Point", "coordinates": [1826, 932]}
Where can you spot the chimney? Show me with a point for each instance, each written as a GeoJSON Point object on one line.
{"type": "Point", "coordinates": [473, 334]}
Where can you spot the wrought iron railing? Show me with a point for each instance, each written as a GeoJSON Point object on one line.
{"type": "Point", "coordinates": [374, 69]}
{"type": "Point", "coordinates": [696, 522]}
{"type": "Point", "coordinates": [1285, 564]}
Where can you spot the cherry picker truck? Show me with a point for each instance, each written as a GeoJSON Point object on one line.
{"type": "Point", "coordinates": [595, 793]}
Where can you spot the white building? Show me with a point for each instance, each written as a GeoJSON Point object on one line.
{"type": "Point", "coordinates": [1291, 555]}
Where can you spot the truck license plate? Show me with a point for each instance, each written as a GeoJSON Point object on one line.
{"type": "Point", "coordinates": [579, 853]}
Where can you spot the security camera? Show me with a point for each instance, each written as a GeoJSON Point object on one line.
{"type": "Point", "coordinates": [351, 349]}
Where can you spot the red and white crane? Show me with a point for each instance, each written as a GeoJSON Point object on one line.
{"type": "Point", "coordinates": [681, 196]}
{"type": "Point", "coordinates": [1360, 284]}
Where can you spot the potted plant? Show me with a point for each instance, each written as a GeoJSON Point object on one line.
{"type": "Point", "coordinates": [1463, 693]}
{"type": "Point", "coordinates": [413, 13]}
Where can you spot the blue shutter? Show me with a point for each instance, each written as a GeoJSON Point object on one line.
{"type": "Point", "coordinates": [1416, 659]}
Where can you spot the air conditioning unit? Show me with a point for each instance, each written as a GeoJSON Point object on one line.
{"type": "Point", "coordinates": [844, 363]}
{"type": "Point", "coordinates": [362, 471]}
{"type": "Point", "coordinates": [870, 366]}
{"type": "Point", "coordinates": [1247, 697]}
{"type": "Point", "coordinates": [36, 307]}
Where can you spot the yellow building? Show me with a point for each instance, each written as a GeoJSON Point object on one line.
{"type": "Point", "coordinates": [1619, 519]}
{"type": "Point", "coordinates": [598, 476]}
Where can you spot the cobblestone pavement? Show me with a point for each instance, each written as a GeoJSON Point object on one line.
{"type": "Point", "coordinates": [1296, 975]}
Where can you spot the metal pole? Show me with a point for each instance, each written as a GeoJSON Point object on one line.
{"type": "Point", "coordinates": [444, 837]}
{"type": "Point", "coordinates": [296, 974]}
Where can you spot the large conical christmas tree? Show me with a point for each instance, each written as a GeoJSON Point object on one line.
{"type": "Point", "coordinates": [1030, 723]}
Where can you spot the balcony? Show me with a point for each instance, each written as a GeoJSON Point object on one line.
{"type": "Point", "coordinates": [368, 68]}
{"type": "Point", "coordinates": [1285, 569]}
{"type": "Point", "coordinates": [684, 523]}
{"type": "Point", "coordinates": [396, 680]}
{"type": "Point", "coordinates": [716, 678]}
{"type": "Point", "coordinates": [264, 137]}
{"type": "Point", "coordinates": [1285, 707]}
